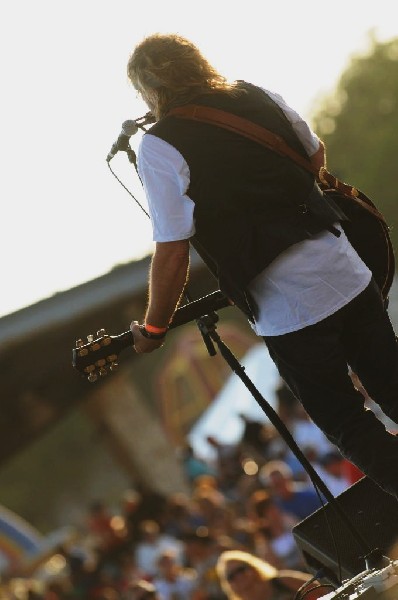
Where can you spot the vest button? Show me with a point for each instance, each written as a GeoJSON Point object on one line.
{"type": "Point", "coordinates": [303, 208]}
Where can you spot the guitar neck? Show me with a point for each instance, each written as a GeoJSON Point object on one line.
{"type": "Point", "coordinates": [198, 308]}
{"type": "Point", "coordinates": [186, 313]}
{"type": "Point", "coordinates": [96, 356]}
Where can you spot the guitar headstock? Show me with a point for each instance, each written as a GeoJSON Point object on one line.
{"type": "Point", "coordinates": [99, 354]}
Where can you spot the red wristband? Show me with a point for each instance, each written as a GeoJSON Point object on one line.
{"type": "Point", "coordinates": [152, 336]}
{"type": "Point", "coordinates": [154, 329]}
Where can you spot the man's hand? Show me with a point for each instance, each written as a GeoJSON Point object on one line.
{"type": "Point", "coordinates": [141, 343]}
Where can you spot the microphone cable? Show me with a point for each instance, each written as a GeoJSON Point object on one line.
{"type": "Point", "coordinates": [128, 191]}
{"type": "Point", "coordinates": [140, 122]}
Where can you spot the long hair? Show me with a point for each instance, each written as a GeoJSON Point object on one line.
{"type": "Point", "coordinates": [265, 570]}
{"type": "Point", "coordinates": [171, 70]}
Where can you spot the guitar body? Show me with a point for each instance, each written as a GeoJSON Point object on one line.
{"type": "Point", "coordinates": [370, 237]}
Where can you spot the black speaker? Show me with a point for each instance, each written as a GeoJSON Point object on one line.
{"type": "Point", "coordinates": [325, 539]}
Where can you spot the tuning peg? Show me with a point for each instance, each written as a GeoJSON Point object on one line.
{"type": "Point", "coordinates": [90, 338]}
{"type": "Point", "coordinates": [79, 343]}
{"type": "Point", "coordinates": [101, 332]}
{"type": "Point", "coordinates": [103, 371]}
{"type": "Point", "coordinates": [92, 377]}
{"type": "Point", "coordinates": [113, 366]}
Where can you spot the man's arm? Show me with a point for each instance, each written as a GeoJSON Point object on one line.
{"type": "Point", "coordinates": [167, 279]}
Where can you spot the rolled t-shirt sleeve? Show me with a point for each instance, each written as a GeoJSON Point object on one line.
{"type": "Point", "coordinates": [308, 138]}
{"type": "Point", "coordinates": [165, 177]}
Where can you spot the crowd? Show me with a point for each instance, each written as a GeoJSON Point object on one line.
{"type": "Point", "coordinates": [229, 538]}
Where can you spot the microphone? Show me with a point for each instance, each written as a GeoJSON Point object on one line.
{"type": "Point", "coordinates": [129, 128]}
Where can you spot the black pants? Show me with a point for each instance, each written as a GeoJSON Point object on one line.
{"type": "Point", "coordinates": [313, 362]}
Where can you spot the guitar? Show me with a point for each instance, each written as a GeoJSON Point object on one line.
{"type": "Point", "coordinates": [101, 353]}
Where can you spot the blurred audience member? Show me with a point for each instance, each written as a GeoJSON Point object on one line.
{"type": "Point", "coordinates": [107, 531]}
{"type": "Point", "coordinates": [227, 462]}
{"type": "Point", "coordinates": [214, 509]}
{"type": "Point", "coordinates": [296, 498]}
{"type": "Point", "coordinates": [173, 581]}
{"type": "Point", "coordinates": [152, 543]}
{"type": "Point", "coordinates": [244, 576]}
{"type": "Point", "coordinates": [181, 515]}
{"type": "Point", "coordinates": [303, 430]}
{"type": "Point", "coordinates": [273, 537]}
{"type": "Point", "coordinates": [193, 465]}
{"type": "Point", "coordinates": [331, 469]}
{"type": "Point", "coordinates": [201, 554]}
{"type": "Point", "coordinates": [127, 571]}
{"type": "Point", "coordinates": [131, 503]}
{"type": "Point", "coordinates": [255, 437]}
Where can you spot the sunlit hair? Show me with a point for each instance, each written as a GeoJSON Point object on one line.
{"type": "Point", "coordinates": [171, 70]}
{"type": "Point", "coordinates": [265, 570]}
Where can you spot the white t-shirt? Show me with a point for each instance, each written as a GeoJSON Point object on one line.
{"type": "Point", "coordinates": [303, 285]}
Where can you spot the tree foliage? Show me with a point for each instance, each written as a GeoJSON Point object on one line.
{"type": "Point", "coordinates": [359, 126]}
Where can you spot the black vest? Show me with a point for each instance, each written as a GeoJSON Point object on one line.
{"type": "Point", "coordinates": [250, 203]}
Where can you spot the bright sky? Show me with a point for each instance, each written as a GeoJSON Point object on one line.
{"type": "Point", "coordinates": [65, 95]}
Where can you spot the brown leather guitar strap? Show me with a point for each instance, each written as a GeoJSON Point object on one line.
{"type": "Point", "coordinates": [261, 135]}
